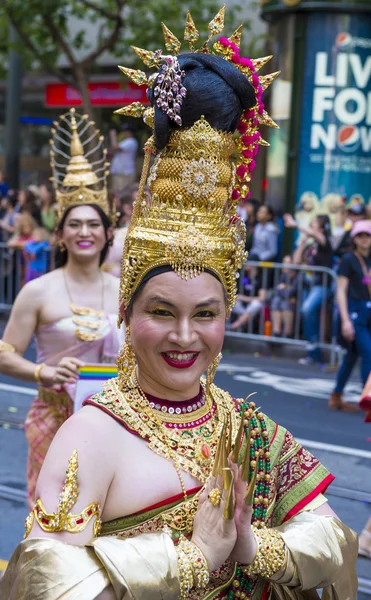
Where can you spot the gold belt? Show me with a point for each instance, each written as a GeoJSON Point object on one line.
{"type": "Point", "coordinates": [51, 396]}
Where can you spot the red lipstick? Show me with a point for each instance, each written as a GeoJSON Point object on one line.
{"type": "Point", "coordinates": [180, 364]}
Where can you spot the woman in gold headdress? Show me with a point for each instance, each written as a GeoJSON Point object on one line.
{"type": "Point", "coordinates": [174, 489]}
{"type": "Point", "coordinates": [72, 309]}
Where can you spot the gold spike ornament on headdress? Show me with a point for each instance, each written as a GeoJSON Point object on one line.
{"type": "Point", "coordinates": [76, 179]}
{"type": "Point", "coordinates": [191, 221]}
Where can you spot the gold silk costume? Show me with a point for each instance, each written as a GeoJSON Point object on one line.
{"type": "Point", "coordinates": [191, 224]}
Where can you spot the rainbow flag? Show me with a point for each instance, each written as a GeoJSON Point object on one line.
{"type": "Point", "coordinates": [98, 372]}
{"type": "Point", "coordinates": [91, 380]}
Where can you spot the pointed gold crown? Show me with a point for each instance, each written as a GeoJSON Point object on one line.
{"type": "Point", "coordinates": [77, 180]}
{"type": "Point", "coordinates": [191, 222]}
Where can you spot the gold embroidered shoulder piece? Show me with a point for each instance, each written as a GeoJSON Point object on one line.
{"type": "Point", "coordinates": [63, 520]}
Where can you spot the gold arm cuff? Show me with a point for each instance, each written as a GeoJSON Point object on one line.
{"type": "Point", "coordinates": [5, 347]}
{"type": "Point", "coordinates": [54, 522]}
{"type": "Point", "coordinates": [270, 556]}
{"type": "Point", "coordinates": [63, 520]}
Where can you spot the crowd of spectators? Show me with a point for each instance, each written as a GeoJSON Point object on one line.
{"type": "Point", "coordinates": [28, 218]}
{"type": "Point", "coordinates": [286, 302]}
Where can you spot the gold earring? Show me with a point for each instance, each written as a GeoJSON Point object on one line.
{"type": "Point", "coordinates": [210, 373]}
{"type": "Point", "coordinates": [126, 360]}
{"type": "Point", "coordinates": [61, 245]}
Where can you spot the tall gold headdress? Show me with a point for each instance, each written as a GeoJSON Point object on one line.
{"type": "Point", "coordinates": [191, 222]}
{"type": "Point", "coordinates": [77, 180]}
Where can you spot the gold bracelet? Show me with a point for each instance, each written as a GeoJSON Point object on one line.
{"type": "Point", "coordinates": [36, 373]}
{"type": "Point", "coordinates": [198, 562]}
{"type": "Point", "coordinates": [186, 580]}
{"type": "Point", "coordinates": [5, 347]}
{"type": "Point", "coordinates": [270, 556]}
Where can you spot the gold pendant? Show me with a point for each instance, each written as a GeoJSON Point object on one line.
{"type": "Point", "coordinates": [85, 311]}
{"type": "Point", "coordinates": [87, 336]}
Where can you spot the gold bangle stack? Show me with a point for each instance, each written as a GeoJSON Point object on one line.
{"type": "Point", "coordinates": [36, 373]}
{"type": "Point", "coordinates": [193, 568]}
{"type": "Point", "coordinates": [5, 347]}
{"type": "Point", "coordinates": [270, 556]}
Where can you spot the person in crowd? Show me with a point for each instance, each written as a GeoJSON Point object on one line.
{"type": "Point", "coordinates": [112, 264]}
{"type": "Point", "coordinates": [4, 186]}
{"type": "Point", "coordinates": [354, 301]}
{"type": "Point", "coordinates": [27, 204]}
{"type": "Point", "coordinates": [7, 222]}
{"type": "Point", "coordinates": [355, 212]}
{"type": "Point", "coordinates": [123, 170]}
{"type": "Point", "coordinates": [318, 254]}
{"type": "Point", "coordinates": [37, 254]}
{"type": "Point", "coordinates": [251, 302]}
{"type": "Point", "coordinates": [71, 310]}
{"type": "Point", "coordinates": [247, 211]}
{"type": "Point", "coordinates": [157, 509]}
{"type": "Point", "coordinates": [265, 236]}
{"type": "Point", "coordinates": [24, 229]}
{"type": "Point", "coordinates": [283, 303]}
{"type": "Point", "coordinates": [48, 207]}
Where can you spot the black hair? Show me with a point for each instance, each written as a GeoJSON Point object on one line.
{"type": "Point", "coordinates": [215, 88]}
{"type": "Point", "coordinates": [324, 224]}
{"type": "Point", "coordinates": [61, 257]}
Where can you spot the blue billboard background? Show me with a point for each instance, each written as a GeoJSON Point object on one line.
{"type": "Point", "coordinates": [335, 140]}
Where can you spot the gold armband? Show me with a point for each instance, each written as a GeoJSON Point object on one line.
{"type": "Point", "coordinates": [193, 568]}
{"type": "Point", "coordinates": [5, 347]}
{"type": "Point", "coordinates": [270, 556]}
{"type": "Point", "coordinates": [63, 520]}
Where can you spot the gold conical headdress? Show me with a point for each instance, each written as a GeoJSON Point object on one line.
{"type": "Point", "coordinates": [77, 180]}
{"type": "Point", "coordinates": [191, 222]}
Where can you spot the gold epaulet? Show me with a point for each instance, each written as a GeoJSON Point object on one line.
{"type": "Point", "coordinates": [63, 520]}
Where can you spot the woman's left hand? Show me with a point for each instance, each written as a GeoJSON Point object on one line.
{"type": "Point", "coordinates": [246, 546]}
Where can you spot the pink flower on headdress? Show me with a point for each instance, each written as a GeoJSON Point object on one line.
{"type": "Point", "coordinates": [255, 151]}
{"type": "Point", "coordinates": [255, 80]}
{"type": "Point", "coordinates": [248, 139]}
{"type": "Point", "coordinates": [235, 58]}
{"type": "Point", "coordinates": [242, 171]}
{"type": "Point", "coordinates": [223, 41]}
{"type": "Point", "coordinates": [247, 153]}
{"type": "Point", "coordinates": [252, 166]}
{"type": "Point", "coordinates": [235, 194]}
{"type": "Point", "coordinates": [249, 114]}
{"type": "Point", "coordinates": [242, 127]}
{"type": "Point", "coordinates": [246, 62]}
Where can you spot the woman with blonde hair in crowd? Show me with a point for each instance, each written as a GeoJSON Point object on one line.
{"type": "Point", "coordinates": [71, 311]}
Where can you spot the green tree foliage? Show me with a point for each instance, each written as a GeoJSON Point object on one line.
{"type": "Point", "coordinates": [51, 30]}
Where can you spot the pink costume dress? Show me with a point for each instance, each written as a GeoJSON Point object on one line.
{"type": "Point", "coordinates": [52, 406]}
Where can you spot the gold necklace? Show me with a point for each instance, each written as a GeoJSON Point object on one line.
{"type": "Point", "coordinates": [185, 448]}
{"type": "Point", "coordinates": [193, 450]}
{"type": "Point", "coordinates": [93, 323]}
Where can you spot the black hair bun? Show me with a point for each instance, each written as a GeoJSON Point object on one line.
{"type": "Point", "coordinates": [215, 89]}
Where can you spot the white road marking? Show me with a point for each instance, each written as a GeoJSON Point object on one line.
{"type": "Point", "coordinates": [314, 387]}
{"type": "Point", "coordinates": [335, 449]}
{"type": "Point", "coordinates": [20, 389]}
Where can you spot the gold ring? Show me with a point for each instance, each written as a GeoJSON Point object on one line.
{"type": "Point", "coordinates": [215, 497]}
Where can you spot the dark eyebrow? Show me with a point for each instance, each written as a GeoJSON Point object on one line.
{"type": "Point", "coordinates": [73, 220]}
{"type": "Point", "coordinates": [207, 302]}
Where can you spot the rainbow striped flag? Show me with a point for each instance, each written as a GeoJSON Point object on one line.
{"type": "Point", "coordinates": [98, 372]}
{"type": "Point", "coordinates": [91, 381]}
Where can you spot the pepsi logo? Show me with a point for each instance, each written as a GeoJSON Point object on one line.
{"type": "Point", "coordinates": [348, 138]}
{"type": "Point", "coordinates": [343, 40]}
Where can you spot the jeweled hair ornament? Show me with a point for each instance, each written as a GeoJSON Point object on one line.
{"type": "Point", "coordinates": [191, 222]}
{"type": "Point", "coordinates": [79, 163]}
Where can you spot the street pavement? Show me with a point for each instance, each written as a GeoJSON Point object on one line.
{"type": "Point", "coordinates": [293, 395]}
